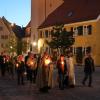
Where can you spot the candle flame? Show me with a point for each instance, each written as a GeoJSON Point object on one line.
{"type": "Point", "coordinates": [62, 63]}
{"type": "Point", "coordinates": [47, 61]}
{"type": "Point", "coordinates": [31, 63]}
{"type": "Point", "coordinates": [17, 65]}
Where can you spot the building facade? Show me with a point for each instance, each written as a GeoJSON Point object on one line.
{"type": "Point", "coordinates": [40, 9]}
{"type": "Point", "coordinates": [7, 37]}
{"type": "Point", "coordinates": [84, 22]}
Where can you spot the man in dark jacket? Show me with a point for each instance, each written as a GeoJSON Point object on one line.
{"type": "Point", "coordinates": [88, 69]}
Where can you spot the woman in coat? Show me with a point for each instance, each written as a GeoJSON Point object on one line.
{"type": "Point", "coordinates": [71, 73]}
{"type": "Point", "coordinates": [43, 73]}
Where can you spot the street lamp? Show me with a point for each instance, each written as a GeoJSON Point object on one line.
{"type": "Point", "coordinates": [34, 44]}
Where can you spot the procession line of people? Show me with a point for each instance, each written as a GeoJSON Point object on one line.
{"type": "Point", "coordinates": [45, 72]}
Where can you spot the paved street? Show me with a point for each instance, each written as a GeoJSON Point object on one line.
{"type": "Point", "coordinates": [9, 90]}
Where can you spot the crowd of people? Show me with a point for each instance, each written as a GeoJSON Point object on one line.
{"type": "Point", "coordinates": [43, 71]}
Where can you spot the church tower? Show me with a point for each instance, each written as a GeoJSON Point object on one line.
{"type": "Point", "coordinates": [40, 9]}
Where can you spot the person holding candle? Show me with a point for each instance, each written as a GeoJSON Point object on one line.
{"type": "Point", "coordinates": [45, 70]}
{"type": "Point", "coordinates": [43, 73]}
{"type": "Point", "coordinates": [26, 66]}
{"type": "Point", "coordinates": [62, 70]}
{"type": "Point", "coordinates": [32, 65]}
{"type": "Point", "coordinates": [71, 73]}
{"type": "Point", "coordinates": [20, 68]}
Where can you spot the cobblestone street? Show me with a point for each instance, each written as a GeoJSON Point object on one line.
{"type": "Point", "coordinates": [9, 90]}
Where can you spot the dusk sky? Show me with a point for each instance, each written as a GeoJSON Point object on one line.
{"type": "Point", "coordinates": [16, 11]}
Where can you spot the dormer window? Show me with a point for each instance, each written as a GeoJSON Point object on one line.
{"type": "Point", "coordinates": [70, 14]}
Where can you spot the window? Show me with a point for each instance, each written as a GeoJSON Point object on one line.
{"type": "Point", "coordinates": [88, 49]}
{"type": "Point", "coordinates": [40, 36]}
{"type": "Point", "coordinates": [49, 34]}
{"type": "Point", "coordinates": [71, 49]}
{"type": "Point", "coordinates": [71, 29]}
{"type": "Point", "coordinates": [80, 30]}
{"type": "Point", "coordinates": [89, 29]}
{"type": "Point", "coordinates": [75, 31]}
{"type": "Point", "coordinates": [4, 36]}
{"type": "Point", "coordinates": [7, 45]}
{"type": "Point", "coordinates": [79, 54]}
{"type": "Point", "coordinates": [47, 49]}
{"type": "Point", "coordinates": [46, 33]}
{"type": "Point", "coordinates": [70, 14]}
{"type": "Point", "coordinates": [2, 45]}
{"type": "Point", "coordinates": [85, 30]}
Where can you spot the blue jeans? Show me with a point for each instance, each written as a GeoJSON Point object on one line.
{"type": "Point", "coordinates": [61, 81]}
{"type": "Point", "coordinates": [88, 76]}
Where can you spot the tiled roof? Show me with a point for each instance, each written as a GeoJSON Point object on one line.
{"type": "Point", "coordinates": [19, 31]}
{"type": "Point", "coordinates": [72, 11]}
{"type": "Point", "coordinates": [28, 30]}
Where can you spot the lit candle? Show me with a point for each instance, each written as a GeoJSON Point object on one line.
{"type": "Point", "coordinates": [31, 63]}
{"type": "Point", "coordinates": [17, 65]}
{"type": "Point", "coordinates": [62, 62]}
{"type": "Point", "coordinates": [47, 61]}
{"type": "Point", "coordinates": [62, 66]}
